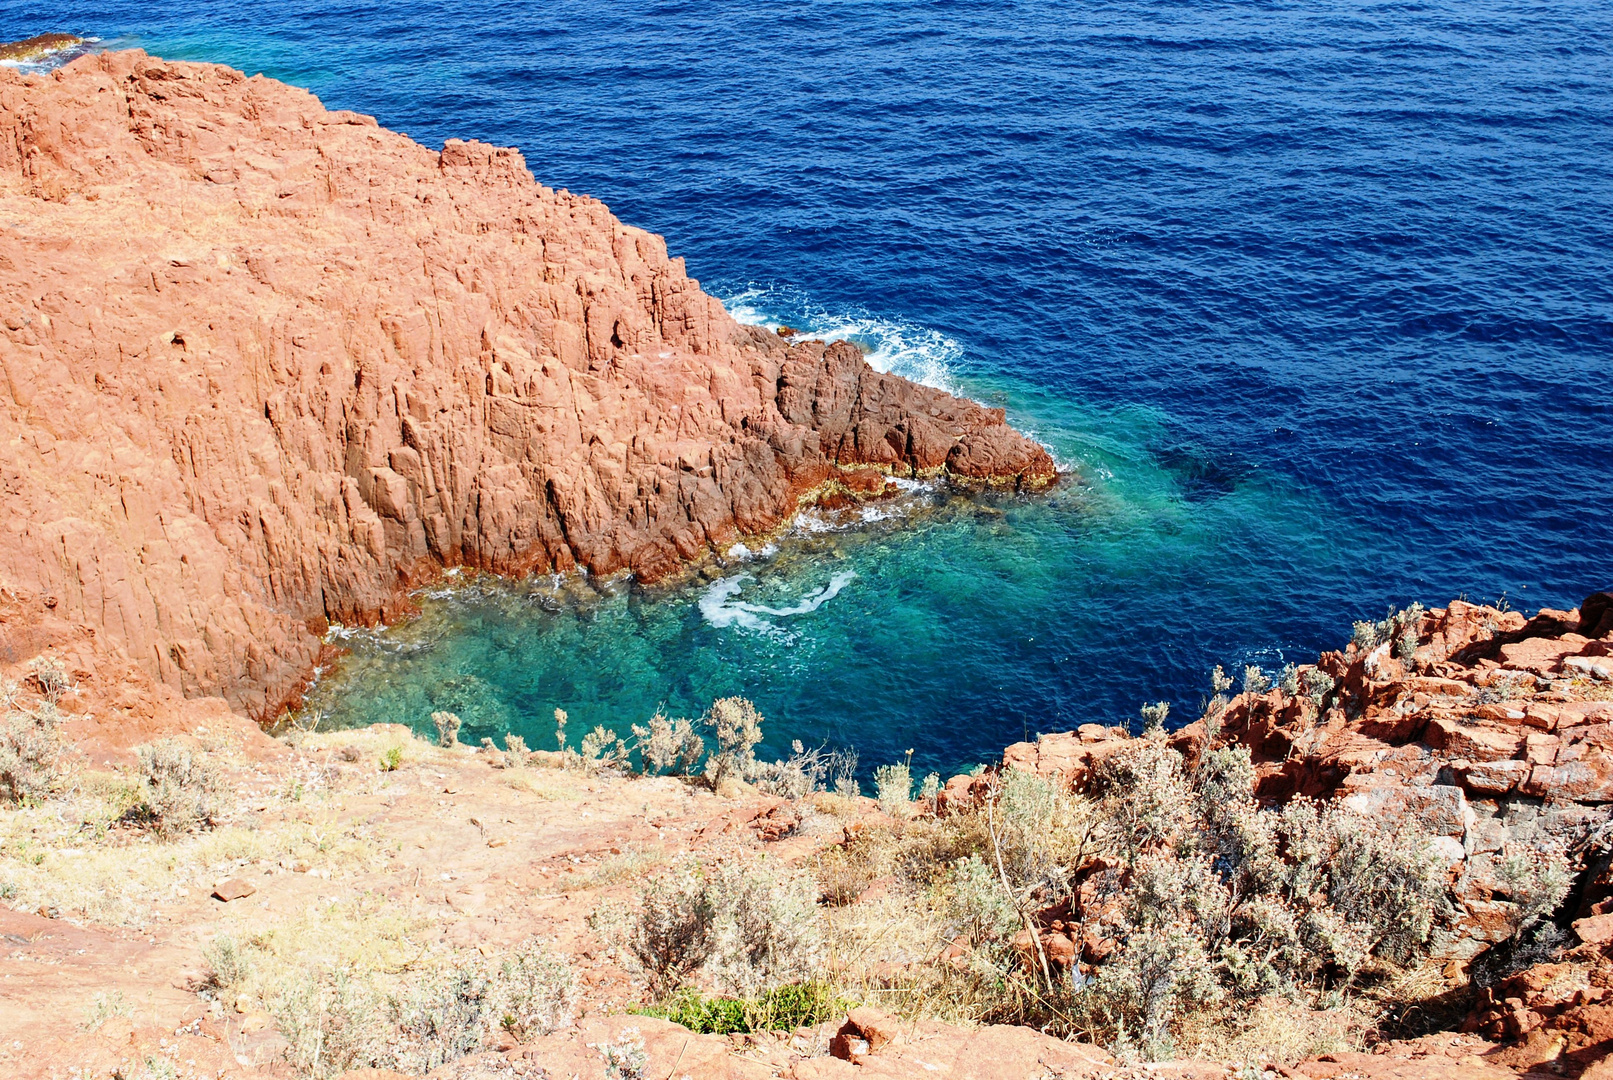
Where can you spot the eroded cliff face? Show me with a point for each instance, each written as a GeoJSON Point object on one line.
{"type": "Point", "coordinates": [263, 364]}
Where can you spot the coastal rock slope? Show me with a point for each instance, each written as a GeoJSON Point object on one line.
{"type": "Point", "coordinates": [263, 365]}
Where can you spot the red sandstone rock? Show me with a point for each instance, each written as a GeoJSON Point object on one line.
{"type": "Point", "coordinates": [233, 889]}
{"type": "Point", "coordinates": [1486, 735]}
{"type": "Point", "coordinates": [263, 366]}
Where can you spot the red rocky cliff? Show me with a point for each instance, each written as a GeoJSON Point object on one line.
{"type": "Point", "coordinates": [262, 364]}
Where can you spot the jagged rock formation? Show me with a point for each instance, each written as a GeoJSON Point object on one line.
{"type": "Point", "coordinates": [1494, 734]}
{"type": "Point", "coordinates": [263, 364]}
{"type": "Point", "coordinates": [1492, 730]}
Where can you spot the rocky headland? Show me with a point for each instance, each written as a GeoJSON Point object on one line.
{"type": "Point", "coordinates": [267, 365]}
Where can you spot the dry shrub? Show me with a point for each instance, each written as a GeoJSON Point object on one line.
{"type": "Point", "coordinates": [535, 992]}
{"type": "Point", "coordinates": [227, 963]}
{"type": "Point", "coordinates": [738, 728]}
{"type": "Point", "coordinates": [665, 745]}
{"type": "Point", "coordinates": [332, 1023]}
{"type": "Point", "coordinates": [893, 787]}
{"type": "Point", "coordinates": [805, 772]}
{"type": "Point", "coordinates": [1194, 904]}
{"type": "Point", "coordinates": [345, 1018]}
{"type": "Point", "coordinates": [603, 749]}
{"type": "Point", "coordinates": [675, 930]}
{"type": "Point", "coordinates": [180, 789]}
{"type": "Point", "coordinates": [749, 928]}
{"type": "Point", "coordinates": [448, 725]}
{"type": "Point", "coordinates": [31, 766]}
{"type": "Point", "coordinates": [842, 876]}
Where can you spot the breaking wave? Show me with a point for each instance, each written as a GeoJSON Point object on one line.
{"type": "Point", "coordinates": [918, 353]}
{"type": "Point", "coordinates": [721, 608]}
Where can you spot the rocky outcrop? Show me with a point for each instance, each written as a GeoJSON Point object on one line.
{"type": "Point", "coordinates": [265, 365]}
{"type": "Point", "coordinates": [1493, 731]}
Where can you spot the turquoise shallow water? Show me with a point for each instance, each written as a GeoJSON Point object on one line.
{"type": "Point", "coordinates": [942, 623]}
{"type": "Point", "coordinates": [1314, 301]}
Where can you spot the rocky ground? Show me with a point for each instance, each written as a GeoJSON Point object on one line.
{"type": "Point", "coordinates": [1490, 727]}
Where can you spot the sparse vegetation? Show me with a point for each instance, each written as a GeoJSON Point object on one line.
{"type": "Point", "coordinates": [1166, 903]}
{"type": "Point", "coordinates": [227, 964]}
{"type": "Point", "coordinates": [666, 745]}
{"type": "Point", "coordinates": [31, 765]}
{"type": "Point", "coordinates": [1399, 627]}
{"type": "Point", "coordinates": [448, 725]}
{"type": "Point", "coordinates": [749, 928]}
{"type": "Point", "coordinates": [180, 789]}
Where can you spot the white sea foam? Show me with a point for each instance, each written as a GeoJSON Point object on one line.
{"type": "Point", "coordinates": [721, 607]}
{"type": "Point", "coordinates": [902, 348]}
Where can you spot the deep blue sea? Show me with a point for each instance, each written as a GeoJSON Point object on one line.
{"type": "Point", "coordinates": [1313, 301]}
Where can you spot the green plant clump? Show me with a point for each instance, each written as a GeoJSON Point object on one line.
{"type": "Point", "coordinates": [784, 1008]}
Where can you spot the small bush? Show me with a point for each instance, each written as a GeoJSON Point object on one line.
{"type": "Point", "coordinates": [180, 790]}
{"type": "Point", "coordinates": [675, 930]}
{"type": "Point", "coordinates": [536, 992]}
{"type": "Point", "coordinates": [1254, 681]}
{"type": "Point", "coordinates": [771, 936]}
{"type": "Point", "coordinates": [979, 905]}
{"type": "Point", "coordinates": [516, 751]}
{"type": "Point", "coordinates": [665, 745]}
{"type": "Point", "coordinates": [1163, 971]}
{"type": "Point", "coordinates": [103, 1007]}
{"type": "Point", "coordinates": [842, 877]}
{"type": "Point", "coordinates": [51, 677]}
{"type": "Point", "coordinates": [448, 1015]}
{"type": "Point", "coordinates": [752, 928]}
{"type": "Point", "coordinates": [31, 765]}
{"type": "Point", "coordinates": [701, 1014]}
{"type": "Point", "coordinates": [1400, 627]}
{"type": "Point", "coordinates": [227, 965]}
{"type": "Point", "coordinates": [1318, 686]}
{"type": "Point", "coordinates": [784, 1008]}
{"type": "Point", "coordinates": [1537, 880]}
{"type": "Point", "coordinates": [602, 748]}
{"type": "Point", "coordinates": [804, 771]}
{"type": "Point", "coordinates": [738, 728]}
{"type": "Point", "coordinates": [333, 1024]}
{"type": "Point", "coordinates": [893, 786]}
{"type": "Point", "coordinates": [625, 1059]}
{"type": "Point", "coordinates": [448, 725]}
{"type": "Point", "coordinates": [391, 758]}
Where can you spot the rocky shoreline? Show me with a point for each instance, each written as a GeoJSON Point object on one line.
{"type": "Point", "coordinates": [268, 366]}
